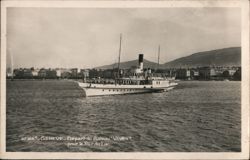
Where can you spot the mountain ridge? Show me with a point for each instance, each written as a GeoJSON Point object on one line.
{"type": "Point", "coordinates": [129, 64]}
{"type": "Point", "coordinates": [219, 57]}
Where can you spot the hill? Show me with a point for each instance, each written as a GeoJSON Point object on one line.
{"type": "Point", "coordinates": [129, 64]}
{"type": "Point", "coordinates": [219, 57]}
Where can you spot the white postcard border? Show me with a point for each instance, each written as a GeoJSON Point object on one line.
{"type": "Point", "coordinates": [244, 154]}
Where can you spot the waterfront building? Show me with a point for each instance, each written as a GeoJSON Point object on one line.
{"type": "Point", "coordinates": [183, 74]}
{"type": "Point", "coordinates": [65, 74]}
{"type": "Point", "coordinates": [42, 73]}
{"type": "Point", "coordinates": [212, 72]}
{"type": "Point", "coordinates": [219, 71]}
{"type": "Point", "coordinates": [194, 74]}
{"type": "Point", "coordinates": [27, 73]}
{"type": "Point", "coordinates": [58, 73]}
{"type": "Point", "coordinates": [207, 73]}
{"type": "Point", "coordinates": [34, 72]}
{"type": "Point", "coordinates": [18, 73]}
{"type": "Point", "coordinates": [93, 73]}
{"type": "Point", "coordinates": [51, 74]}
{"type": "Point", "coordinates": [74, 73]}
{"type": "Point", "coordinates": [237, 74]}
{"type": "Point", "coordinates": [84, 73]}
{"type": "Point", "coordinates": [231, 72]}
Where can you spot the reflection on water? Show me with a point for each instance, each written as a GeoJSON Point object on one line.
{"type": "Point", "coordinates": [195, 116]}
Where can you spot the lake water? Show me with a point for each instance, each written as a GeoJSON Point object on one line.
{"type": "Point", "coordinates": [53, 116]}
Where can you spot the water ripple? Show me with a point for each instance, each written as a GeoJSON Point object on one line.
{"type": "Point", "coordinates": [194, 117]}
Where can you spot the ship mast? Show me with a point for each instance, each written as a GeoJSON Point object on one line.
{"type": "Point", "coordinates": [159, 50]}
{"type": "Point", "coordinates": [119, 58]}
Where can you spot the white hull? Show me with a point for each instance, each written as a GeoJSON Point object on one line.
{"type": "Point", "coordinates": [112, 89]}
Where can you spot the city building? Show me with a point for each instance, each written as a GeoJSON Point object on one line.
{"type": "Point", "coordinates": [58, 73]}
{"type": "Point", "coordinates": [27, 73]}
{"type": "Point", "coordinates": [51, 74]}
{"type": "Point", "coordinates": [231, 72]}
{"type": "Point", "coordinates": [74, 73]}
{"type": "Point", "coordinates": [34, 72]}
{"type": "Point", "coordinates": [42, 73]}
{"type": "Point", "coordinates": [84, 73]}
{"type": "Point", "coordinates": [194, 73]}
{"type": "Point", "coordinates": [207, 73]}
{"type": "Point", "coordinates": [183, 74]}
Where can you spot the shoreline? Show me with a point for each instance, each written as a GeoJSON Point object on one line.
{"type": "Point", "coordinates": [81, 79]}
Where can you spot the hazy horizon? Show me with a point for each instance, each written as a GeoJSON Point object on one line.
{"type": "Point", "coordinates": [88, 38]}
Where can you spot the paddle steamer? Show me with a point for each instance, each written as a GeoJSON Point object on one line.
{"type": "Point", "coordinates": [140, 82]}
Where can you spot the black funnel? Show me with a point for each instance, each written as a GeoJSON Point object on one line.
{"type": "Point", "coordinates": [140, 58]}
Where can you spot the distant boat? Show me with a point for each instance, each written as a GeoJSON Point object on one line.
{"type": "Point", "coordinates": [140, 82]}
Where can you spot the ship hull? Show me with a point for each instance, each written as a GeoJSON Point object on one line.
{"type": "Point", "coordinates": [102, 89]}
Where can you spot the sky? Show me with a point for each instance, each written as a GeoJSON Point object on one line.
{"type": "Point", "coordinates": [89, 37]}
